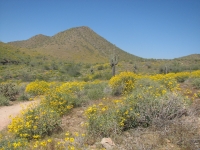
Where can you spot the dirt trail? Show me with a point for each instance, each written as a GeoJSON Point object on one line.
{"type": "Point", "coordinates": [12, 110]}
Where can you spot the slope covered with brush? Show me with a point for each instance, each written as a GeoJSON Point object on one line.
{"type": "Point", "coordinates": [80, 44]}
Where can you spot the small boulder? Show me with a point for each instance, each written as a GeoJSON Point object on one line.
{"type": "Point", "coordinates": [108, 143]}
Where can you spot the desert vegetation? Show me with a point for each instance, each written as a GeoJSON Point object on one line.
{"type": "Point", "coordinates": [138, 111]}
{"type": "Point", "coordinates": [82, 95]}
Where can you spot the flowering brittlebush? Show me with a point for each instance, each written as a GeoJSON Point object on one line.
{"type": "Point", "coordinates": [124, 81]}
{"type": "Point", "coordinates": [195, 74]}
{"type": "Point", "coordinates": [34, 122]}
{"type": "Point", "coordinates": [167, 80]}
{"type": "Point", "coordinates": [62, 98]}
{"type": "Point", "coordinates": [145, 97]}
{"type": "Point", "coordinates": [37, 87]}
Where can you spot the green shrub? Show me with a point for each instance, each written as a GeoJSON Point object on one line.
{"type": "Point", "coordinates": [198, 94]}
{"type": "Point", "coordinates": [13, 144]}
{"type": "Point", "coordinates": [96, 91]}
{"type": "Point", "coordinates": [196, 82]}
{"type": "Point", "coordinates": [73, 70]}
{"type": "Point", "coordinates": [46, 67]}
{"type": "Point", "coordinates": [86, 79]}
{"type": "Point", "coordinates": [3, 100]}
{"type": "Point", "coordinates": [9, 90]}
{"type": "Point", "coordinates": [26, 76]}
{"type": "Point", "coordinates": [94, 94]}
{"type": "Point", "coordinates": [24, 97]}
{"type": "Point", "coordinates": [149, 109]}
{"type": "Point", "coordinates": [54, 66]}
{"type": "Point", "coordinates": [97, 76]}
{"type": "Point", "coordinates": [106, 75]}
{"type": "Point", "coordinates": [100, 67]}
{"type": "Point", "coordinates": [102, 121]}
{"type": "Point", "coordinates": [144, 106]}
{"type": "Point", "coordinates": [87, 66]}
{"type": "Point", "coordinates": [181, 79]}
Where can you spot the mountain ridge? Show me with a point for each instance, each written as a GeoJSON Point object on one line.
{"type": "Point", "coordinates": [79, 44]}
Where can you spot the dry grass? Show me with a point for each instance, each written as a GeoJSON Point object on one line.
{"type": "Point", "coordinates": [179, 134]}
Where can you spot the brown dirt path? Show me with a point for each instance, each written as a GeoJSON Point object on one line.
{"type": "Point", "coordinates": [12, 110]}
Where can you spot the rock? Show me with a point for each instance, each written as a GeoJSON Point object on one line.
{"type": "Point", "coordinates": [92, 147]}
{"type": "Point", "coordinates": [127, 134]}
{"type": "Point", "coordinates": [167, 140]}
{"type": "Point", "coordinates": [80, 113]}
{"type": "Point", "coordinates": [108, 143]}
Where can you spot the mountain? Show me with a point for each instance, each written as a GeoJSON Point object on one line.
{"type": "Point", "coordinates": [11, 55]}
{"type": "Point", "coordinates": [80, 44]}
{"type": "Point", "coordinates": [33, 42]}
{"type": "Point", "coordinates": [191, 57]}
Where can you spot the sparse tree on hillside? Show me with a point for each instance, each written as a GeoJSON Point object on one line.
{"type": "Point", "coordinates": [91, 70]}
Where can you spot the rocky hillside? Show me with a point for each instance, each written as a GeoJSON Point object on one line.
{"type": "Point", "coordinates": [80, 44]}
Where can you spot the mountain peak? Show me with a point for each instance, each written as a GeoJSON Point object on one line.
{"type": "Point", "coordinates": [39, 36]}
{"type": "Point", "coordinates": [82, 27]}
{"type": "Point", "coordinates": [79, 44]}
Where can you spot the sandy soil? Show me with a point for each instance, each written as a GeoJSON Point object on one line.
{"type": "Point", "coordinates": [12, 110]}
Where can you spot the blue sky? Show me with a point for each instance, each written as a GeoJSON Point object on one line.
{"type": "Point", "coordinates": [146, 28]}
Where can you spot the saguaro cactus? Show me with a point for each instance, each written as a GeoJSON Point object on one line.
{"type": "Point", "coordinates": [113, 62]}
{"type": "Point", "coordinates": [166, 69]}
